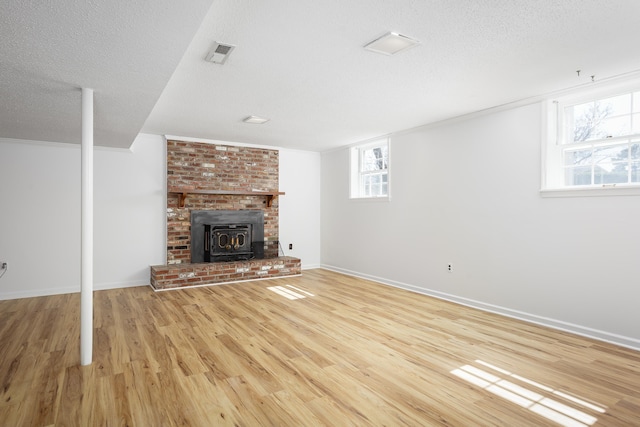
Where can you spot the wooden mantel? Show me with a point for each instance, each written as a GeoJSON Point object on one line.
{"type": "Point", "coordinates": [270, 195]}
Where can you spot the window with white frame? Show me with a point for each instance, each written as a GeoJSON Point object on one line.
{"type": "Point", "coordinates": [594, 141]}
{"type": "Point", "coordinates": [370, 170]}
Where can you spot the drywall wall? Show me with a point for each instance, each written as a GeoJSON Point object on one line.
{"type": "Point", "coordinates": [40, 215]}
{"type": "Point", "coordinates": [129, 212]}
{"type": "Point", "coordinates": [300, 206]}
{"type": "Point", "coordinates": [39, 218]}
{"type": "Point", "coordinates": [467, 194]}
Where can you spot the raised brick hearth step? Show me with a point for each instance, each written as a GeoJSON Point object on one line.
{"type": "Point", "coordinates": [184, 275]}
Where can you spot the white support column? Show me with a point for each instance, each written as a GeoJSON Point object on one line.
{"type": "Point", "coordinates": [86, 281]}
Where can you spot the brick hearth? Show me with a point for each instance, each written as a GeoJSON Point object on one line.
{"type": "Point", "coordinates": [181, 275]}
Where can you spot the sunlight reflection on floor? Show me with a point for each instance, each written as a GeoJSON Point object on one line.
{"type": "Point", "coordinates": [290, 292]}
{"type": "Point", "coordinates": [551, 409]}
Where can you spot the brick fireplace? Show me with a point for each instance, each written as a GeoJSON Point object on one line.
{"type": "Point", "coordinates": [208, 177]}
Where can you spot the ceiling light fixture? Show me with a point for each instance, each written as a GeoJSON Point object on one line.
{"type": "Point", "coordinates": [255, 120]}
{"type": "Point", "coordinates": [391, 43]}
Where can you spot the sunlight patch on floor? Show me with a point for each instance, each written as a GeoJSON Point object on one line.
{"type": "Point", "coordinates": [290, 292]}
{"type": "Point", "coordinates": [551, 409]}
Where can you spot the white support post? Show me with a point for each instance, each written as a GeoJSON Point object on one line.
{"type": "Point", "coordinates": [86, 291]}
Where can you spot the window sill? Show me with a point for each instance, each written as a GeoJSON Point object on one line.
{"type": "Point", "coordinates": [626, 190]}
{"type": "Point", "coordinates": [370, 199]}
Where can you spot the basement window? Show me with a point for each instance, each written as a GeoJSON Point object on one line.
{"type": "Point", "coordinates": [593, 143]}
{"type": "Point", "coordinates": [370, 170]}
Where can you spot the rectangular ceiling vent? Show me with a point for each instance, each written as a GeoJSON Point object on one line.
{"type": "Point", "coordinates": [219, 53]}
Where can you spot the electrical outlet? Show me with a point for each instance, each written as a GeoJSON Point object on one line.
{"type": "Point", "coordinates": [450, 268]}
{"type": "Point", "coordinates": [3, 266]}
{"type": "Point", "coordinates": [290, 246]}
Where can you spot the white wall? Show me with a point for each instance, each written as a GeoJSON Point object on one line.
{"type": "Point", "coordinates": [39, 218]}
{"type": "Point", "coordinates": [130, 212]}
{"type": "Point", "coordinates": [300, 206]}
{"type": "Point", "coordinates": [40, 215]}
{"type": "Point", "coordinates": [467, 193]}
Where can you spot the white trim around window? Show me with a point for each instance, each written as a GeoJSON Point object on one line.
{"type": "Point", "coordinates": [370, 177]}
{"type": "Point", "coordinates": [591, 142]}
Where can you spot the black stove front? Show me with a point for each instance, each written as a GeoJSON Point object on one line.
{"type": "Point", "coordinates": [226, 235]}
{"type": "Point", "coordinates": [227, 242]}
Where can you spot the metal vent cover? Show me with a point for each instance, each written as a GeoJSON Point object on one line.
{"type": "Point", "coordinates": [219, 52]}
{"type": "Point", "coordinates": [223, 49]}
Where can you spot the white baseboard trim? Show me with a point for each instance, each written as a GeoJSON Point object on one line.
{"type": "Point", "coordinates": [38, 293]}
{"type": "Point", "coordinates": [310, 266]}
{"type": "Point", "coordinates": [118, 285]}
{"type": "Point", "coordinates": [68, 290]}
{"type": "Point", "coordinates": [584, 331]}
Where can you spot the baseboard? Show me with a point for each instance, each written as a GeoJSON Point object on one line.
{"type": "Point", "coordinates": [584, 331]}
{"type": "Point", "coordinates": [38, 293]}
{"type": "Point", "coordinates": [68, 290]}
{"type": "Point", "coordinates": [118, 285]}
{"type": "Point", "coordinates": [310, 266]}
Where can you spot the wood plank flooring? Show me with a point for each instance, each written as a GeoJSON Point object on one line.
{"type": "Point", "coordinates": [356, 353]}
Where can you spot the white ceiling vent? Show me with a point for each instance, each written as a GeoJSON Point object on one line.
{"type": "Point", "coordinates": [219, 53]}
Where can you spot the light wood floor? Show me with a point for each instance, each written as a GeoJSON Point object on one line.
{"type": "Point", "coordinates": [354, 353]}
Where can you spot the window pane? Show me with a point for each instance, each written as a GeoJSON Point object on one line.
{"type": "Point", "coordinates": [635, 151]}
{"type": "Point", "coordinates": [381, 185]}
{"type": "Point", "coordinates": [374, 184]}
{"type": "Point", "coordinates": [580, 175]}
{"type": "Point", "coordinates": [368, 161]}
{"type": "Point", "coordinates": [599, 119]}
{"type": "Point", "coordinates": [580, 109]}
{"type": "Point", "coordinates": [636, 102]}
{"type": "Point", "coordinates": [577, 157]}
{"type": "Point", "coordinates": [605, 156]}
{"type": "Point", "coordinates": [367, 186]}
{"type": "Point", "coordinates": [635, 172]}
{"type": "Point", "coordinates": [618, 105]}
{"type": "Point", "coordinates": [611, 175]}
{"type": "Point", "coordinates": [375, 158]}
{"type": "Point", "coordinates": [636, 123]}
{"type": "Point", "coordinates": [584, 121]}
{"type": "Point", "coordinates": [617, 126]}
{"type": "Point", "coordinates": [381, 157]}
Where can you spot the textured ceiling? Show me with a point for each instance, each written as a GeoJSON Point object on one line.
{"type": "Point", "coordinates": [299, 63]}
{"type": "Point", "coordinates": [125, 50]}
